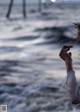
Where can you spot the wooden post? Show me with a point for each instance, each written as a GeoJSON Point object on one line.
{"type": "Point", "coordinates": [24, 8]}
{"type": "Point", "coordinates": [40, 5]}
{"type": "Point", "coordinates": [10, 7]}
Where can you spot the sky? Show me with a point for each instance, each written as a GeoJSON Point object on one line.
{"type": "Point", "coordinates": [16, 1]}
{"type": "Point", "coordinates": [30, 1]}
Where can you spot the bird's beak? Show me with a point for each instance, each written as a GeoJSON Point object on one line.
{"type": "Point", "coordinates": [76, 25]}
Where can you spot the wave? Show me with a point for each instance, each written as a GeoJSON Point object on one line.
{"type": "Point", "coordinates": [57, 35]}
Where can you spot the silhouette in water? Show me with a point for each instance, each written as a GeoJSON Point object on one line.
{"type": "Point", "coordinates": [11, 5]}
{"type": "Point", "coordinates": [40, 5]}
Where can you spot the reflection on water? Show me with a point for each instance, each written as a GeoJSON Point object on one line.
{"type": "Point", "coordinates": [31, 72]}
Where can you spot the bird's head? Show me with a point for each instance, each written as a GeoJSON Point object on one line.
{"type": "Point", "coordinates": [77, 25]}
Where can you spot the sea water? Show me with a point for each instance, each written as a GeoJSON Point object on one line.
{"type": "Point", "coordinates": [31, 71]}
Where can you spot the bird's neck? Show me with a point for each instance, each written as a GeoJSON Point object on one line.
{"type": "Point", "coordinates": [78, 34]}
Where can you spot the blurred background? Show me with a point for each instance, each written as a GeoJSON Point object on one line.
{"type": "Point", "coordinates": [32, 75]}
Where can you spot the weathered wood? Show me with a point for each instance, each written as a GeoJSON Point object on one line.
{"type": "Point", "coordinates": [24, 8]}
{"type": "Point", "coordinates": [10, 8]}
{"type": "Point", "coordinates": [40, 6]}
